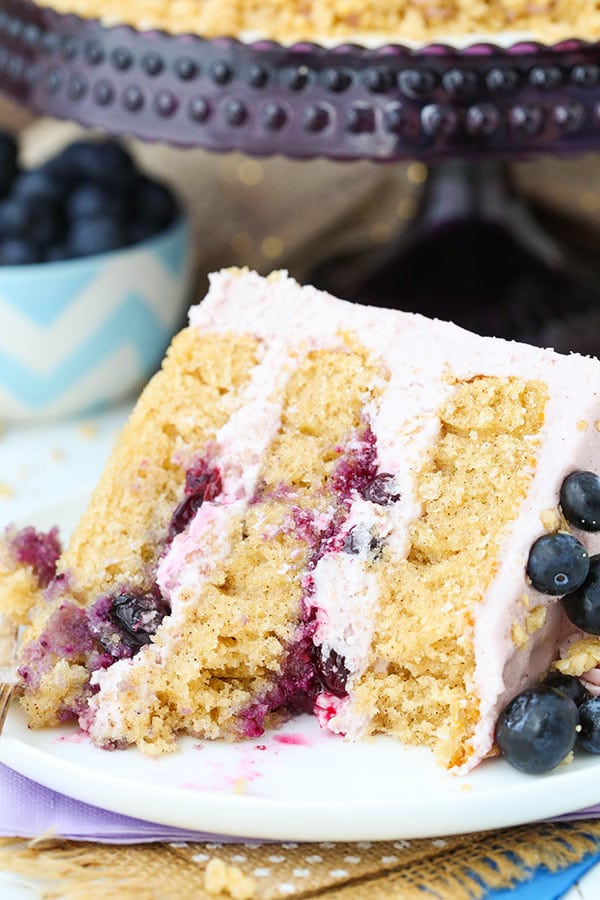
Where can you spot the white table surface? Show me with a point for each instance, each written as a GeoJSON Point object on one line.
{"type": "Point", "coordinates": [40, 466]}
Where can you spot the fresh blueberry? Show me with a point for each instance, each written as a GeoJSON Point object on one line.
{"type": "Point", "coordinates": [583, 606]}
{"type": "Point", "coordinates": [382, 490]}
{"type": "Point", "coordinates": [558, 564]}
{"type": "Point", "coordinates": [155, 203]}
{"type": "Point", "coordinates": [8, 161]}
{"type": "Point", "coordinates": [139, 231]}
{"type": "Point", "coordinates": [97, 235]}
{"type": "Point", "coordinates": [37, 184]}
{"type": "Point", "coordinates": [29, 219]}
{"type": "Point", "coordinates": [537, 729]}
{"type": "Point", "coordinates": [56, 253]}
{"type": "Point", "coordinates": [138, 616]}
{"type": "Point", "coordinates": [589, 719]}
{"type": "Point", "coordinates": [107, 162]}
{"type": "Point", "coordinates": [46, 226]}
{"type": "Point", "coordinates": [15, 216]}
{"type": "Point", "coordinates": [568, 685]}
{"type": "Point", "coordinates": [580, 500]}
{"type": "Point", "coordinates": [89, 200]}
{"type": "Point", "coordinates": [18, 251]}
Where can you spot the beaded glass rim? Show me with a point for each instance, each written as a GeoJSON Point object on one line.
{"type": "Point", "coordinates": [304, 100]}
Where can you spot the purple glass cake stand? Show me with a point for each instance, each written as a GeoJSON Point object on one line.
{"type": "Point", "coordinates": [484, 104]}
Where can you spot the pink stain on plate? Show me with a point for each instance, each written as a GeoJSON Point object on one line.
{"type": "Point", "coordinates": [76, 737]}
{"type": "Point", "coordinates": [295, 740]}
{"type": "Point", "coordinates": [244, 773]}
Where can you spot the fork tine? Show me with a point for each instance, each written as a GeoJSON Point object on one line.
{"type": "Point", "coordinates": [8, 692]}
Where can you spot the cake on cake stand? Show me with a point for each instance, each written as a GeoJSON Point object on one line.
{"type": "Point", "coordinates": [474, 252]}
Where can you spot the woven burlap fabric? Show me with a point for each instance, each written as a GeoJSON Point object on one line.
{"type": "Point", "coordinates": [453, 868]}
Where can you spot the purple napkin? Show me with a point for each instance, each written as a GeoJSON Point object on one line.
{"type": "Point", "coordinates": [29, 810]}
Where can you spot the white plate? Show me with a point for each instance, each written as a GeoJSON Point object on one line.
{"type": "Point", "coordinates": [295, 784]}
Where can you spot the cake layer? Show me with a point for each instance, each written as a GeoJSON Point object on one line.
{"type": "Point", "coordinates": [372, 21]}
{"type": "Point", "coordinates": [318, 507]}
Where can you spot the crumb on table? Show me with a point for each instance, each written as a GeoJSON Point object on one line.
{"type": "Point", "coordinates": [220, 878]}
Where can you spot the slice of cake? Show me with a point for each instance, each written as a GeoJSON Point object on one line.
{"type": "Point", "coordinates": [370, 21]}
{"type": "Point", "coordinates": [316, 507]}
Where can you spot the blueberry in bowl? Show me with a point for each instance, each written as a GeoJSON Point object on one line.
{"type": "Point", "coordinates": [95, 278]}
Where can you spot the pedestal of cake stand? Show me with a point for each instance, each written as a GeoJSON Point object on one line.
{"type": "Point", "coordinates": [475, 253]}
{"type": "Point", "coordinates": [473, 243]}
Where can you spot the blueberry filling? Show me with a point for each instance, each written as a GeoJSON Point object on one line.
{"type": "Point", "coordinates": [202, 483]}
{"type": "Point", "coordinates": [359, 541]}
{"type": "Point", "coordinates": [138, 617]}
{"type": "Point", "coordinates": [381, 490]}
{"type": "Point", "coordinates": [37, 549]}
{"type": "Point", "coordinates": [67, 635]}
{"type": "Point", "coordinates": [356, 471]}
{"type": "Point", "coordinates": [332, 673]}
{"type": "Point", "coordinates": [124, 623]}
{"type": "Point", "coordinates": [184, 514]}
{"type": "Point", "coordinates": [295, 690]}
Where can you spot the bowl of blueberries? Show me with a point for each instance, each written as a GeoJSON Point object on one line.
{"type": "Point", "coordinates": [95, 278]}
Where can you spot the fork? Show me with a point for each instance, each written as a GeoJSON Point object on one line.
{"type": "Point", "coordinates": [9, 685]}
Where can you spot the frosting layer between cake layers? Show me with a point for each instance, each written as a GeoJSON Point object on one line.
{"type": "Point", "coordinates": [493, 639]}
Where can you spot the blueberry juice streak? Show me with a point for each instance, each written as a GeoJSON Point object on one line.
{"type": "Point", "coordinates": [308, 670]}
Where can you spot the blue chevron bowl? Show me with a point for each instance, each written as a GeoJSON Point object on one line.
{"type": "Point", "coordinates": [79, 335]}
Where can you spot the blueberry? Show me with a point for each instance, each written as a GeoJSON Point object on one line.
{"type": "Point", "coordinates": [184, 514]}
{"type": "Point", "coordinates": [360, 541]}
{"type": "Point", "coordinates": [583, 606]}
{"type": "Point", "coordinates": [15, 216]}
{"type": "Point", "coordinates": [155, 203]}
{"type": "Point", "coordinates": [56, 253]}
{"type": "Point", "coordinates": [580, 500]}
{"type": "Point", "coordinates": [138, 616]}
{"type": "Point", "coordinates": [88, 200]}
{"type": "Point", "coordinates": [589, 719]}
{"type": "Point", "coordinates": [331, 671]}
{"type": "Point", "coordinates": [95, 235]}
{"type": "Point", "coordinates": [8, 161]}
{"type": "Point", "coordinates": [381, 490]}
{"type": "Point", "coordinates": [18, 251]}
{"type": "Point", "coordinates": [202, 479]}
{"type": "Point", "coordinates": [37, 184]}
{"type": "Point", "coordinates": [558, 564]}
{"type": "Point", "coordinates": [46, 226]}
{"type": "Point", "coordinates": [142, 231]}
{"type": "Point", "coordinates": [568, 685]}
{"type": "Point", "coordinates": [537, 729]}
{"type": "Point", "coordinates": [104, 161]}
